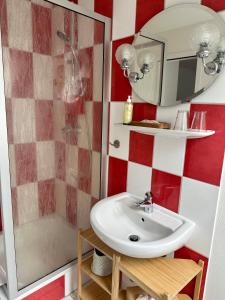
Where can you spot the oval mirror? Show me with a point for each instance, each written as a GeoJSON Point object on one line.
{"type": "Point", "coordinates": [184, 46]}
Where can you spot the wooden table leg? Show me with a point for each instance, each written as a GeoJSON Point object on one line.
{"type": "Point", "coordinates": [198, 281]}
{"type": "Point", "coordinates": [79, 260]}
{"type": "Point", "coordinates": [115, 277]}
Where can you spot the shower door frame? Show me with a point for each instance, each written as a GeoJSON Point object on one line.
{"type": "Point", "coordinates": [5, 186]}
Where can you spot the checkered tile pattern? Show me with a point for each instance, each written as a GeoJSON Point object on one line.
{"type": "Point", "coordinates": [182, 175]}
{"type": "Point", "coordinates": [51, 171]}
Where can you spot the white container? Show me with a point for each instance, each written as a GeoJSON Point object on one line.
{"type": "Point", "coordinates": [101, 265]}
{"type": "Point", "coordinates": [128, 111]}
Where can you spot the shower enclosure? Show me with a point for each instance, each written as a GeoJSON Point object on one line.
{"type": "Point", "coordinates": [54, 82]}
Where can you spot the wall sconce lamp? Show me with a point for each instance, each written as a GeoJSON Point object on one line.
{"type": "Point", "coordinates": [207, 38]}
{"type": "Point", "coordinates": [126, 57]}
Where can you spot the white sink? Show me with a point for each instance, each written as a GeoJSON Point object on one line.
{"type": "Point", "coordinates": [115, 219]}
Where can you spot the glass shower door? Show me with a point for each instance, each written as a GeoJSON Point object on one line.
{"type": "Point", "coordinates": [53, 75]}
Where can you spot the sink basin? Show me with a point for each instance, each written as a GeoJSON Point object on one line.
{"type": "Point", "coordinates": [130, 230]}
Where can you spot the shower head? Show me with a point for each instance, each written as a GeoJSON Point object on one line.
{"type": "Point", "coordinates": [63, 36]}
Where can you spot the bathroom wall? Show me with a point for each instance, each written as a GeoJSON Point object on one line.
{"type": "Point", "coordinates": [183, 176]}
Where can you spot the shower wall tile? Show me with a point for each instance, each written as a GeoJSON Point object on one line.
{"type": "Point", "coordinates": [26, 163]}
{"type": "Point", "coordinates": [7, 72]}
{"type": "Point", "coordinates": [42, 3]}
{"type": "Point", "coordinates": [27, 203]}
{"type": "Point", "coordinates": [43, 77]}
{"type": "Point", "coordinates": [9, 118]}
{"type": "Point", "coordinates": [97, 126]}
{"type": "Point", "coordinates": [3, 23]}
{"type": "Point", "coordinates": [86, 72]}
{"type": "Point", "coordinates": [19, 19]}
{"type": "Point", "coordinates": [45, 160]}
{"type": "Point", "coordinates": [59, 120]}
{"type": "Point", "coordinates": [58, 45]}
{"type": "Point", "coordinates": [117, 179]}
{"type": "Point", "coordinates": [12, 163]}
{"type": "Point", "coordinates": [60, 197]}
{"type": "Point", "coordinates": [99, 33]}
{"type": "Point", "coordinates": [23, 113]}
{"type": "Point", "coordinates": [104, 7]}
{"type": "Point", "coordinates": [44, 120]}
{"type": "Point", "coordinates": [71, 165]}
{"type": "Point", "coordinates": [14, 206]}
{"type": "Point", "coordinates": [42, 29]}
{"type": "Point", "coordinates": [58, 77]}
{"type": "Point", "coordinates": [71, 204]}
{"type": "Point", "coordinates": [82, 124]}
{"type": "Point", "coordinates": [46, 197]}
{"type": "Point", "coordinates": [84, 170]}
{"type": "Point", "coordinates": [21, 73]}
{"type": "Point", "coordinates": [85, 40]}
{"type": "Point", "coordinates": [96, 174]}
{"type": "Point", "coordinates": [60, 159]}
{"type": "Point", "coordinates": [97, 72]}
{"type": "Point", "coordinates": [83, 210]}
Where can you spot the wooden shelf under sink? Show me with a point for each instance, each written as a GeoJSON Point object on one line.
{"type": "Point", "coordinates": [163, 278]}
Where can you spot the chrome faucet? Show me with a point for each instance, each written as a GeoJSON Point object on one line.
{"type": "Point", "coordinates": [147, 204]}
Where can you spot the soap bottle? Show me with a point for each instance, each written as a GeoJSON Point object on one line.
{"type": "Point", "coordinates": [128, 111]}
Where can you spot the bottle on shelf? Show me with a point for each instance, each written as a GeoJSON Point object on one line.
{"type": "Point", "coordinates": [128, 111]}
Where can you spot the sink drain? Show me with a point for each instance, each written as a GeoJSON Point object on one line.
{"type": "Point", "coordinates": [134, 238]}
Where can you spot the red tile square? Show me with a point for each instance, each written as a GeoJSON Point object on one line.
{"type": "Point", "coordinates": [46, 197]}
{"type": "Point", "coordinates": [141, 148]}
{"type": "Point", "coordinates": [204, 157]}
{"type": "Point", "coordinates": [9, 119]}
{"type": "Point", "coordinates": [99, 32]}
{"type": "Point", "coordinates": [117, 179]}
{"type": "Point", "coordinates": [104, 8]}
{"type": "Point", "coordinates": [42, 29]}
{"type": "Point", "coordinates": [56, 289]}
{"type": "Point", "coordinates": [121, 87]}
{"type": "Point", "coordinates": [86, 64]}
{"type": "Point", "coordinates": [26, 163]}
{"type": "Point", "coordinates": [216, 5]}
{"type": "Point", "coordinates": [60, 160]}
{"type": "Point", "coordinates": [21, 70]}
{"type": "Point", "coordinates": [97, 126]}
{"type": "Point", "coordinates": [72, 121]}
{"type": "Point", "coordinates": [3, 23]}
{"type": "Point", "coordinates": [187, 253]}
{"type": "Point", "coordinates": [71, 204]}
{"type": "Point", "coordinates": [84, 170]}
{"type": "Point", "coordinates": [165, 189]}
{"type": "Point", "coordinates": [44, 120]}
{"type": "Point", "coordinates": [146, 10]}
{"type": "Point", "coordinates": [143, 111]}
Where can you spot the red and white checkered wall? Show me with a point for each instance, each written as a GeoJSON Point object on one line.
{"type": "Point", "coordinates": [183, 176]}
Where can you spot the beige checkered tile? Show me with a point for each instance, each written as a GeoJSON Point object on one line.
{"type": "Point", "coordinates": [60, 195]}
{"type": "Point", "coordinates": [57, 24]}
{"type": "Point", "coordinates": [85, 122]}
{"type": "Point", "coordinates": [83, 210]}
{"type": "Point", "coordinates": [72, 165]}
{"type": "Point", "coordinates": [12, 164]}
{"type": "Point", "coordinates": [45, 160]}
{"type": "Point", "coordinates": [7, 74]}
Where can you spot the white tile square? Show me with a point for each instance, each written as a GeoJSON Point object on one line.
{"type": "Point", "coordinates": [19, 16]}
{"type": "Point", "coordinates": [27, 202]}
{"type": "Point", "coordinates": [43, 76]}
{"type": "Point", "coordinates": [124, 18]}
{"type": "Point", "coordinates": [169, 3]}
{"type": "Point", "coordinates": [45, 160]}
{"type": "Point", "coordinates": [118, 132]}
{"type": "Point", "coordinates": [85, 123]}
{"type": "Point", "coordinates": [12, 165]}
{"type": "Point", "coordinates": [7, 73]}
{"type": "Point", "coordinates": [97, 72]}
{"type": "Point", "coordinates": [23, 114]}
{"type": "Point", "coordinates": [83, 210]}
{"type": "Point", "coordinates": [85, 39]}
{"type": "Point", "coordinates": [198, 202]}
{"type": "Point", "coordinates": [96, 174]}
{"type": "Point", "coordinates": [58, 44]}
{"type": "Point", "coordinates": [138, 179]}
{"type": "Point", "coordinates": [72, 165]}
{"type": "Point", "coordinates": [168, 154]}
{"type": "Point", "coordinates": [89, 4]}
{"type": "Point", "coordinates": [169, 114]}
{"type": "Point", "coordinates": [42, 3]}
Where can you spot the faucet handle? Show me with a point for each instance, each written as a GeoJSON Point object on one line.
{"type": "Point", "coordinates": [148, 196]}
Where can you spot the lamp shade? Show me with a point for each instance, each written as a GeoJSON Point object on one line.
{"type": "Point", "coordinates": [205, 33]}
{"type": "Point", "coordinates": [145, 57]}
{"type": "Point", "coordinates": [125, 52]}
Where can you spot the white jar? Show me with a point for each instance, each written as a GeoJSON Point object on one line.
{"type": "Point", "coordinates": [101, 265]}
